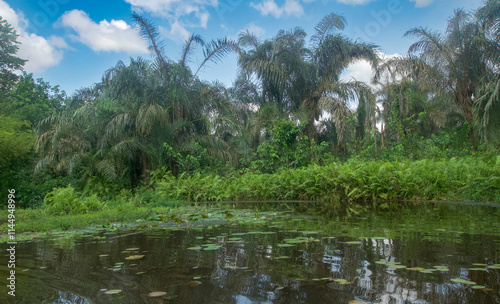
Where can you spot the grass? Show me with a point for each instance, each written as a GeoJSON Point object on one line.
{"type": "Point", "coordinates": [36, 222]}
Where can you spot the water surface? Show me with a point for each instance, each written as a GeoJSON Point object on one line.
{"type": "Point", "coordinates": [427, 253]}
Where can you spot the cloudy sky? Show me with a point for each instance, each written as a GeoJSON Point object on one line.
{"type": "Point", "coordinates": [71, 43]}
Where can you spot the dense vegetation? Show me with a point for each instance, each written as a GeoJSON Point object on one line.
{"type": "Point", "coordinates": [428, 127]}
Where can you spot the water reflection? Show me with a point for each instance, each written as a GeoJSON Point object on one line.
{"type": "Point", "coordinates": [281, 261]}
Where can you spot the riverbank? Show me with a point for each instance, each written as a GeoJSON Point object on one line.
{"type": "Point", "coordinates": [350, 186]}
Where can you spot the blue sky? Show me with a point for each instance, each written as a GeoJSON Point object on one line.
{"type": "Point", "coordinates": [71, 43]}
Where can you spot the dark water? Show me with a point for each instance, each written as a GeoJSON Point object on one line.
{"type": "Point", "coordinates": [275, 258]}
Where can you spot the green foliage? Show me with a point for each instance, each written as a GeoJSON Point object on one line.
{"type": "Point", "coordinates": [469, 178]}
{"type": "Point", "coordinates": [68, 201]}
{"type": "Point", "coordinates": [287, 147]}
{"type": "Point", "coordinates": [16, 140]}
{"type": "Point", "coordinates": [33, 100]}
{"type": "Point", "coordinates": [9, 63]}
{"type": "Point", "coordinates": [16, 152]}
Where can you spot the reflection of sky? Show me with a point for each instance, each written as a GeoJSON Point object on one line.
{"type": "Point", "coordinates": [244, 300]}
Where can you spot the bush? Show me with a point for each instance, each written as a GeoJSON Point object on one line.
{"type": "Point", "coordinates": [67, 201]}
{"type": "Point", "coordinates": [470, 178]}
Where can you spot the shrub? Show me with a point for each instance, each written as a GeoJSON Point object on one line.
{"type": "Point", "coordinates": [67, 201]}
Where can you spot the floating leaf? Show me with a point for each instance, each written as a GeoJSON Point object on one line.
{"type": "Point", "coordinates": [285, 245]}
{"type": "Point", "coordinates": [132, 249]}
{"type": "Point", "coordinates": [282, 257]}
{"type": "Point", "coordinates": [416, 269]}
{"type": "Point", "coordinates": [353, 242]}
{"type": "Point", "coordinates": [478, 287]}
{"type": "Point", "coordinates": [113, 291]}
{"type": "Point", "coordinates": [397, 266]}
{"type": "Point", "coordinates": [194, 248]}
{"type": "Point", "coordinates": [478, 269]}
{"type": "Point", "coordinates": [231, 267]}
{"type": "Point", "coordinates": [479, 264]}
{"type": "Point", "coordinates": [458, 280]}
{"type": "Point", "coordinates": [309, 232]}
{"type": "Point", "coordinates": [135, 257]}
{"type": "Point", "coordinates": [196, 278]}
{"type": "Point", "coordinates": [103, 255]}
{"type": "Point", "coordinates": [194, 283]}
{"type": "Point", "coordinates": [212, 247]}
{"type": "Point", "coordinates": [355, 302]}
{"type": "Point", "coordinates": [156, 294]}
{"type": "Point", "coordinates": [493, 267]}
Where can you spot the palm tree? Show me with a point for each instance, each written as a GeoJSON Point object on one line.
{"type": "Point", "coordinates": [454, 61]}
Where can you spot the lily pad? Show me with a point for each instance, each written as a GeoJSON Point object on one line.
{"type": "Point", "coordinates": [458, 280]}
{"type": "Point", "coordinates": [285, 245]}
{"type": "Point", "coordinates": [156, 294]}
{"type": "Point", "coordinates": [135, 257]}
{"type": "Point", "coordinates": [194, 283]}
{"type": "Point", "coordinates": [478, 287]}
{"type": "Point", "coordinates": [132, 249]}
{"type": "Point", "coordinates": [397, 266]}
{"type": "Point", "coordinates": [282, 257]}
{"type": "Point", "coordinates": [416, 268]}
{"type": "Point", "coordinates": [113, 291]}
{"type": "Point", "coordinates": [353, 242]}
{"type": "Point", "coordinates": [215, 247]}
{"type": "Point", "coordinates": [194, 248]}
{"type": "Point", "coordinates": [309, 232]}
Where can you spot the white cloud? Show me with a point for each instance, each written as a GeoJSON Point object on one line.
{"type": "Point", "coordinates": [177, 32]}
{"type": "Point", "coordinates": [114, 36]}
{"type": "Point", "coordinates": [254, 29]}
{"type": "Point", "coordinates": [41, 53]}
{"type": "Point", "coordinates": [178, 13]}
{"type": "Point", "coordinates": [269, 7]}
{"type": "Point", "coordinates": [422, 3]}
{"type": "Point", "coordinates": [361, 70]}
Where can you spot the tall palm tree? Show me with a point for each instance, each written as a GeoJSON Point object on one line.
{"type": "Point", "coordinates": [455, 61]}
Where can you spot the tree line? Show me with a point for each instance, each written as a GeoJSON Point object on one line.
{"type": "Point", "coordinates": [288, 107]}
